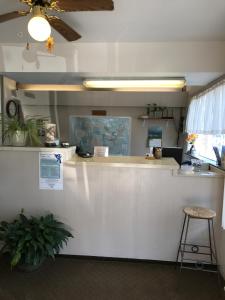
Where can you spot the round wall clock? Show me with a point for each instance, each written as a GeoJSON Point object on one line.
{"type": "Point", "coordinates": [12, 108]}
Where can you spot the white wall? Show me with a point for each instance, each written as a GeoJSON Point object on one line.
{"type": "Point", "coordinates": [126, 99]}
{"type": "Point", "coordinates": [60, 106]}
{"type": "Point", "coordinates": [139, 130]}
{"type": "Point", "coordinates": [122, 104]}
{"type": "Point", "coordinates": [34, 103]}
{"type": "Point", "coordinates": [9, 88]}
{"type": "Point", "coordinates": [8, 91]}
{"type": "Point", "coordinates": [111, 59]}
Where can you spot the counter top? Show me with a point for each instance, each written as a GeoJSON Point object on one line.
{"type": "Point", "coordinates": [127, 161]}
{"type": "Point", "coordinates": [206, 174]}
{"type": "Point", "coordinates": [38, 149]}
{"type": "Point", "coordinates": [68, 153]}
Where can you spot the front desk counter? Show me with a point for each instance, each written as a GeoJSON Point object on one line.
{"type": "Point", "coordinates": [126, 207]}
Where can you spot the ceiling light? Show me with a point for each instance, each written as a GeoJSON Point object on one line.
{"type": "Point", "coordinates": [136, 84]}
{"type": "Point", "coordinates": [50, 87]}
{"type": "Point", "coordinates": [39, 29]}
{"type": "Point", "coordinates": [38, 26]}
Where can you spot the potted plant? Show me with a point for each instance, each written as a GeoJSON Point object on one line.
{"type": "Point", "coordinates": [29, 241]}
{"type": "Point", "coordinates": [33, 128]}
{"type": "Point", "coordinates": [19, 133]}
{"type": "Point", "coordinates": [15, 133]}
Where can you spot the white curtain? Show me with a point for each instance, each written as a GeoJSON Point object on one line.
{"type": "Point", "coordinates": [206, 113]}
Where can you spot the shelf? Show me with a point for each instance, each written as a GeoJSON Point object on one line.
{"type": "Point", "coordinates": [149, 118]}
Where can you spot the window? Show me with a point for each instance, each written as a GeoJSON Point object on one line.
{"type": "Point", "coordinates": [205, 142]}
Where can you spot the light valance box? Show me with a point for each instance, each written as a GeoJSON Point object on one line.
{"type": "Point", "coordinates": [206, 111]}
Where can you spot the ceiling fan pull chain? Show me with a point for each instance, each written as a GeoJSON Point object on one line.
{"type": "Point", "coordinates": [28, 46]}
{"type": "Point", "coordinates": [50, 43]}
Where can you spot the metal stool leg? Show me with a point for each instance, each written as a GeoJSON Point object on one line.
{"type": "Point", "coordinates": [210, 242]}
{"type": "Point", "coordinates": [215, 256]}
{"type": "Point", "coordinates": [181, 238]}
{"type": "Point", "coordinates": [214, 244]}
{"type": "Point", "coordinates": [184, 246]}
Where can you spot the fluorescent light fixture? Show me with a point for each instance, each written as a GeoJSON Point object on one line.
{"type": "Point", "coordinates": [50, 87]}
{"type": "Point", "coordinates": [136, 84]}
{"type": "Point", "coordinates": [151, 85]}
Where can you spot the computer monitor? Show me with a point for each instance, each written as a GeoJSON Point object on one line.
{"type": "Point", "coordinates": [175, 152]}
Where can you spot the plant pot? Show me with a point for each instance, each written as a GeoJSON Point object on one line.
{"type": "Point", "coordinates": [30, 268]}
{"type": "Point", "coordinates": [19, 138]}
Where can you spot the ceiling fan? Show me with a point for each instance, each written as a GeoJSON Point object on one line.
{"type": "Point", "coordinates": [39, 26]}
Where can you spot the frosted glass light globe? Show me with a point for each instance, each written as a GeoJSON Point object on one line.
{"type": "Point", "coordinates": [39, 28]}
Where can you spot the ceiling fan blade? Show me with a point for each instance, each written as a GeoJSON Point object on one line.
{"type": "Point", "coordinates": [11, 15]}
{"type": "Point", "coordinates": [84, 5]}
{"type": "Point", "coordinates": [64, 29]}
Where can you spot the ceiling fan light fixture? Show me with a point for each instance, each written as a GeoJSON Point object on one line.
{"type": "Point", "coordinates": [41, 22]}
{"type": "Point", "coordinates": [39, 28]}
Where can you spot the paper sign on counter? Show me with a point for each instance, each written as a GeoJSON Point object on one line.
{"type": "Point", "coordinates": [50, 171]}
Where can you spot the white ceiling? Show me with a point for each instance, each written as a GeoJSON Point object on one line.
{"type": "Point", "coordinates": [134, 21]}
{"type": "Point", "coordinates": [131, 21]}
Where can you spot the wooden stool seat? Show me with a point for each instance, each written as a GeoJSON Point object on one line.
{"type": "Point", "coordinates": [200, 212]}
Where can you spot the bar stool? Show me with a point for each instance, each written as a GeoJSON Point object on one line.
{"type": "Point", "coordinates": [208, 250]}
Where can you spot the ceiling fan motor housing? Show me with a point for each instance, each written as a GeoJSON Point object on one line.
{"type": "Point", "coordinates": [38, 11]}
{"type": "Point", "coordinates": [42, 3]}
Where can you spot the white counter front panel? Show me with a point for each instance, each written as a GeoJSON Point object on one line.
{"type": "Point", "coordinates": [114, 212]}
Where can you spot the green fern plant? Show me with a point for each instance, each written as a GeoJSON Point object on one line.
{"type": "Point", "coordinates": [31, 126]}
{"type": "Point", "coordinates": [30, 240]}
